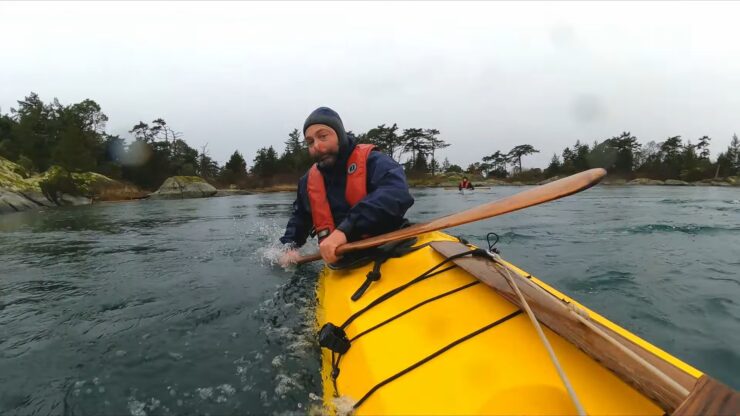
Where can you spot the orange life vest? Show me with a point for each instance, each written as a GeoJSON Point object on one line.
{"type": "Point", "coordinates": [356, 189]}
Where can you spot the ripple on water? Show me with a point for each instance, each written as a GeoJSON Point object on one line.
{"type": "Point", "coordinates": [692, 229]}
{"type": "Point", "coordinates": [603, 282]}
{"type": "Point", "coordinates": [721, 306]}
{"type": "Point", "coordinates": [39, 291]}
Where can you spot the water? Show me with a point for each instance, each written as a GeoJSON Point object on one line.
{"type": "Point", "coordinates": [170, 307]}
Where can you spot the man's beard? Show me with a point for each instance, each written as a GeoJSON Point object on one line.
{"type": "Point", "coordinates": [326, 160]}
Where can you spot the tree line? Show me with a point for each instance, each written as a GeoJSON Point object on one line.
{"type": "Point", "coordinates": [623, 157]}
{"type": "Point", "coordinates": [38, 135]}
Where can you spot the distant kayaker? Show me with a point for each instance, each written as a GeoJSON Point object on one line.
{"type": "Point", "coordinates": [351, 192]}
{"type": "Point", "coordinates": [465, 184]}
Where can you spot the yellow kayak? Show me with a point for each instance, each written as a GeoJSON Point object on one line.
{"type": "Point", "coordinates": [455, 342]}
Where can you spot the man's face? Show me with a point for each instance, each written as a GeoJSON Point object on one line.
{"type": "Point", "coordinates": [323, 144]}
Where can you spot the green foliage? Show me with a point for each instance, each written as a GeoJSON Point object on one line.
{"type": "Point", "coordinates": [207, 167]}
{"type": "Point", "coordinates": [156, 154]}
{"type": "Point", "coordinates": [73, 152]}
{"type": "Point", "coordinates": [434, 144]}
{"type": "Point", "coordinates": [623, 156]}
{"type": "Point", "coordinates": [728, 163]}
{"type": "Point", "coordinates": [46, 134]}
{"type": "Point", "coordinates": [554, 168]}
{"type": "Point", "coordinates": [414, 142]}
{"type": "Point", "coordinates": [515, 154]}
{"type": "Point", "coordinates": [8, 143]}
{"type": "Point", "coordinates": [26, 164]}
{"type": "Point", "coordinates": [235, 169]}
{"type": "Point", "coordinates": [385, 138]}
{"type": "Point", "coordinates": [295, 159]}
{"type": "Point", "coordinates": [38, 135]}
{"type": "Point", "coordinates": [58, 181]}
{"type": "Point", "coordinates": [454, 169]}
{"type": "Point", "coordinates": [494, 165]}
{"type": "Point", "coordinates": [266, 163]}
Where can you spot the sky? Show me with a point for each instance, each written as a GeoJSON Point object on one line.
{"type": "Point", "coordinates": [489, 75]}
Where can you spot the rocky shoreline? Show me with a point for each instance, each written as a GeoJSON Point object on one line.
{"type": "Point", "coordinates": [20, 191]}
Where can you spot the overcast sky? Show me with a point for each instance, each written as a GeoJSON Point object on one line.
{"type": "Point", "coordinates": [489, 76]}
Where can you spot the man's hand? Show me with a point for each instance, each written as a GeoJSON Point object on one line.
{"type": "Point", "coordinates": [328, 246]}
{"type": "Point", "coordinates": [289, 257]}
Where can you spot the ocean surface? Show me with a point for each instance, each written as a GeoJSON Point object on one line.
{"type": "Point", "coordinates": [171, 307]}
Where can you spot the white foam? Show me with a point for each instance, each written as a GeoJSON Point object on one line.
{"type": "Point", "coordinates": [205, 393]}
{"type": "Point", "coordinates": [277, 361]}
{"type": "Point", "coordinates": [344, 405]}
{"type": "Point", "coordinates": [136, 408]}
{"type": "Point", "coordinates": [227, 389]}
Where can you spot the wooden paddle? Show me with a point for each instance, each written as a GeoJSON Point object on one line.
{"type": "Point", "coordinates": [535, 196]}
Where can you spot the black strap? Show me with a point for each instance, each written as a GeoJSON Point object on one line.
{"type": "Point", "coordinates": [427, 274]}
{"type": "Point", "coordinates": [339, 331]}
{"type": "Point", "coordinates": [418, 305]}
{"type": "Point", "coordinates": [337, 354]}
{"type": "Point", "coordinates": [383, 254]}
{"type": "Point", "coordinates": [433, 355]}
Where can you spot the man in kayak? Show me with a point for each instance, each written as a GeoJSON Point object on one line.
{"type": "Point", "coordinates": [465, 184]}
{"type": "Point", "coordinates": [361, 190]}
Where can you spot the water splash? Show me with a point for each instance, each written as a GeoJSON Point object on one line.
{"type": "Point", "coordinates": [269, 233]}
{"type": "Point", "coordinates": [344, 405]}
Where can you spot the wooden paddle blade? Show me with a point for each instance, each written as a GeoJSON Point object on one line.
{"type": "Point", "coordinates": [535, 196]}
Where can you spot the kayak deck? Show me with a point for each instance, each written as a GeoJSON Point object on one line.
{"type": "Point", "coordinates": [503, 370]}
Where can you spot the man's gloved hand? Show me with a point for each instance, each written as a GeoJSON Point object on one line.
{"type": "Point", "coordinates": [328, 246]}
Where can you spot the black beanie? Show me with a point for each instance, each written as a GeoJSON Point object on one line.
{"type": "Point", "coordinates": [329, 117]}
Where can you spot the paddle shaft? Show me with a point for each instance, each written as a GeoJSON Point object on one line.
{"type": "Point", "coordinates": [535, 196]}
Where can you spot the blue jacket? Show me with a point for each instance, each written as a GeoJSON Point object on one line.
{"type": "Point", "coordinates": [381, 211]}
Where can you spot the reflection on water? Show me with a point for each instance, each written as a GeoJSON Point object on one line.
{"type": "Point", "coordinates": [172, 307]}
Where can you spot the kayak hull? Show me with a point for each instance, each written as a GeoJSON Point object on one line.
{"type": "Point", "coordinates": [504, 369]}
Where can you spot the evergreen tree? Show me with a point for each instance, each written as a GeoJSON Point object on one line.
{"type": "Point", "coordinates": [32, 130]}
{"type": "Point", "coordinates": [454, 169]}
{"type": "Point", "coordinates": [235, 169]}
{"type": "Point", "coordinates": [434, 143]}
{"type": "Point", "coordinates": [728, 163]}
{"type": "Point", "coordinates": [516, 154]}
{"type": "Point", "coordinates": [385, 138]}
{"type": "Point", "coordinates": [415, 142]}
{"type": "Point", "coordinates": [495, 164]}
{"type": "Point", "coordinates": [8, 143]}
{"type": "Point", "coordinates": [625, 147]}
{"type": "Point", "coordinates": [207, 167]}
{"type": "Point", "coordinates": [266, 162]}
{"type": "Point", "coordinates": [295, 158]}
{"type": "Point", "coordinates": [72, 152]}
{"type": "Point", "coordinates": [554, 167]}
{"type": "Point", "coordinates": [703, 147]}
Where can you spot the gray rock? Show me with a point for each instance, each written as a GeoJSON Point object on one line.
{"type": "Point", "coordinates": [720, 183]}
{"type": "Point", "coordinates": [71, 200]}
{"type": "Point", "coordinates": [645, 181]}
{"type": "Point", "coordinates": [13, 202]}
{"type": "Point", "coordinates": [676, 182]}
{"type": "Point", "coordinates": [37, 197]}
{"type": "Point", "coordinates": [181, 187]}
